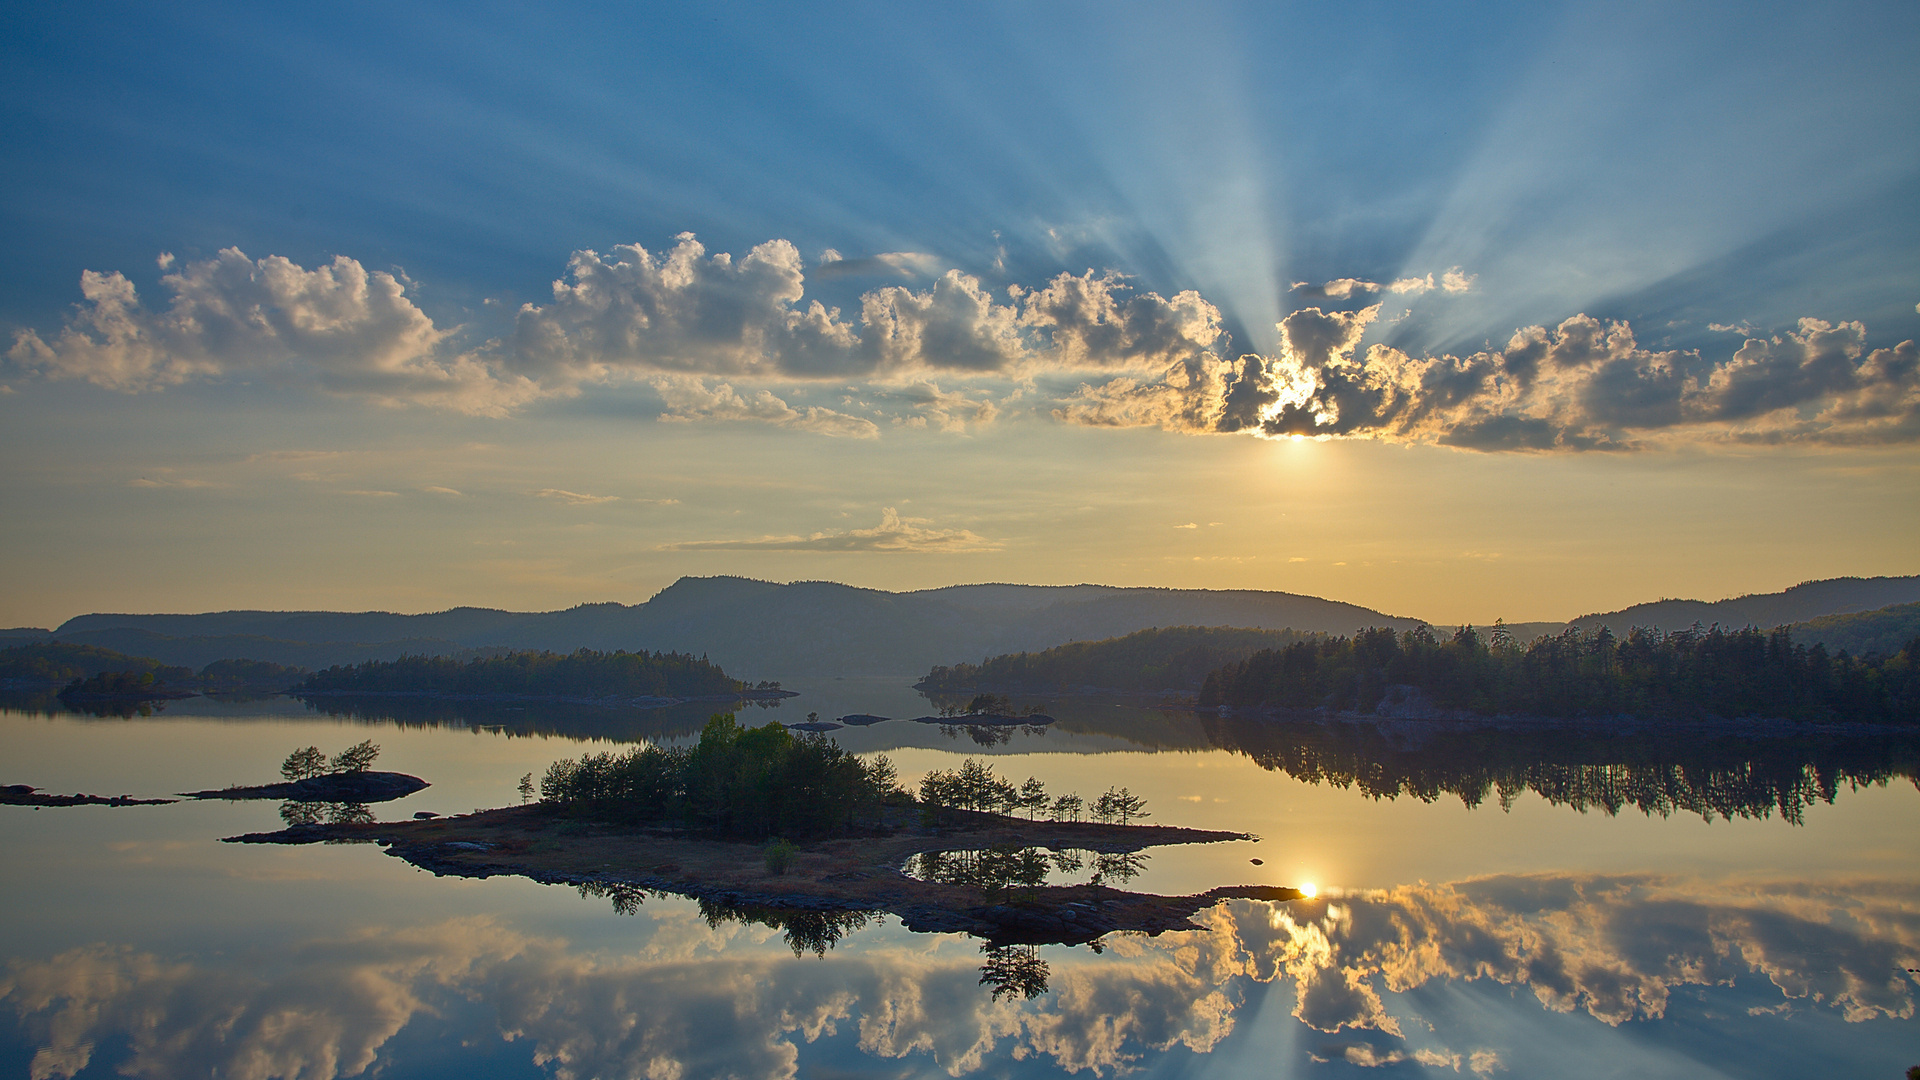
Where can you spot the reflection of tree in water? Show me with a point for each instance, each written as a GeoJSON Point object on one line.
{"type": "Point", "coordinates": [1013, 971]}
{"type": "Point", "coordinates": [1118, 866]}
{"type": "Point", "coordinates": [328, 813]}
{"type": "Point", "coordinates": [620, 723]}
{"type": "Point", "coordinates": [626, 899]}
{"type": "Point", "coordinates": [806, 931]}
{"type": "Point", "coordinates": [983, 734]}
{"type": "Point", "coordinates": [1713, 776]}
{"type": "Point", "coordinates": [1000, 869]}
{"type": "Point", "coordinates": [1005, 869]}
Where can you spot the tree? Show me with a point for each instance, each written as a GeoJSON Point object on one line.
{"type": "Point", "coordinates": [302, 764]}
{"type": "Point", "coordinates": [356, 758]}
{"type": "Point", "coordinates": [1119, 805]}
{"type": "Point", "coordinates": [1033, 797]}
{"type": "Point", "coordinates": [526, 788]}
{"type": "Point", "coordinates": [1068, 808]}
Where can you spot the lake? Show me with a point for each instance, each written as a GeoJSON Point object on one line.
{"type": "Point", "coordinates": [1522, 903]}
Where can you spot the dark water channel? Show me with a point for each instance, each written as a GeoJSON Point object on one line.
{"type": "Point", "coordinates": [1517, 903]}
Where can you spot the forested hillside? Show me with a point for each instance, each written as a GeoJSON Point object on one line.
{"type": "Point", "coordinates": [1688, 673]}
{"type": "Point", "coordinates": [1173, 658]}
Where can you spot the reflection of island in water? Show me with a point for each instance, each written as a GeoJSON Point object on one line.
{"type": "Point", "coordinates": [624, 724]}
{"type": "Point", "coordinates": [1694, 771]}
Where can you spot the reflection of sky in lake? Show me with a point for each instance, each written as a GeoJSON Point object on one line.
{"type": "Point", "coordinates": [1535, 940]}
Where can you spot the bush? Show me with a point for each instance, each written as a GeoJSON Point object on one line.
{"type": "Point", "coordinates": [780, 856]}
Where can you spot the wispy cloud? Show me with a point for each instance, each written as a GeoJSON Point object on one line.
{"type": "Point", "coordinates": [574, 498]}
{"type": "Point", "coordinates": [894, 534]}
{"type": "Point", "coordinates": [693, 398]}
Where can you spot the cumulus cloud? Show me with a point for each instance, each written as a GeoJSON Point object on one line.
{"type": "Point", "coordinates": [722, 338]}
{"type": "Point", "coordinates": [1582, 385]}
{"type": "Point", "coordinates": [352, 330]}
{"type": "Point", "coordinates": [893, 534]}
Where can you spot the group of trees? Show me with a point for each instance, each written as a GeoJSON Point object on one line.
{"type": "Point", "coordinates": [974, 786]}
{"type": "Point", "coordinates": [735, 782]}
{"type": "Point", "coordinates": [1171, 658]}
{"type": "Point", "coordinates": [1686, 673]}
{"type": "Point", "coordinates": [768, 781]}
{"type": "Point", "coordinates": [309, 762]}
{"type": "Point", "coordinates": [582, 673]}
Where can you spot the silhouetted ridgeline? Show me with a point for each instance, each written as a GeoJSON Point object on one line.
{"type": "Point", "coordinates": [580, 674]}
{"type": "Point", "coordinates": [1688, 673]}
{"type": "Point", "coordinates": [1175, 658]}
{"type": "Point", "coordinates": [1726, 776]}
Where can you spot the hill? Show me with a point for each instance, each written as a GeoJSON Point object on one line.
{"type": "Point", "coordinates": [756, 628]}
{"type": "Point", "coordinates": [1864, 633]}
{"type": "Point", "coordinates": [1805, 601]}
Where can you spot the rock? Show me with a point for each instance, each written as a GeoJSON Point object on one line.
{"type": "Point", "coordinates": [424, 815]}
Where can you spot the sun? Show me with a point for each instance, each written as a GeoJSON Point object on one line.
{"type": "Point", "coordinates": [1309, 890]}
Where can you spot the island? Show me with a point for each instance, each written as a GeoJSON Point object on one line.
{"type": "Point", "coordinates": [970, 853]}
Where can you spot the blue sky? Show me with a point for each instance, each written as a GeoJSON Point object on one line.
{"type": "Point", "coordinates": [1429, 182]}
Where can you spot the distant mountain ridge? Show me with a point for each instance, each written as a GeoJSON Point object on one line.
{"type": "Point", "coordinates": [755, 628]}
{"type": "Point", "coordinates": [1804, 602]}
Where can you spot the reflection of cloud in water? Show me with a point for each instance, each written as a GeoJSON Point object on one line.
{"type": "Point", "coordinates": [697, 1000]}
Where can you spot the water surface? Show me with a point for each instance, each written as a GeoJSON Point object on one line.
{"type": "Point", "coordinates": [1522, 905]}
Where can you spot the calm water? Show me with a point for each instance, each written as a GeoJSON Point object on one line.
{"type": "Point", "coordinates": [1520, 906]}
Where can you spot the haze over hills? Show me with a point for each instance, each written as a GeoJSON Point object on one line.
{"type": "Point", "coordinates": [757, 629]}
{"type": "Point", "coordinates": [751, 628]}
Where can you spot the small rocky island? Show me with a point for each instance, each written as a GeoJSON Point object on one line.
{"type": "Point", "coordinates": [709, 823]}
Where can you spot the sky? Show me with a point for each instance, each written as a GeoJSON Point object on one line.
{"type": "Point", "coordinates": [1519, 311]}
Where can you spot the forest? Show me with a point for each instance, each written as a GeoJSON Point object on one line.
{"type": "Point", "coordinates": [1691, 673]}
{"type": "Point", "coordinates": [757, 783]}
{"type": "Point", "coordinates": [735, 782]}
{"type": "Point", "coordinates": [583, 673]}
{"type": "Point", "coordinates": [1170, 658]}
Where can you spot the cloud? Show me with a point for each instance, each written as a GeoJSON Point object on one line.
{"type": "Point", "coordinates": [353, 331]}
{"type": "Point", "coordinates": [690, 398]}
{"type": "Point", "coordinates": [723, 338]}
{"type": "Point", "coordinates": [1452, 281]}
{"type": "Point", "coordinates": [1582, 385]}
{"type": "Point", "coordinates": [571, 498]}
{"type": "Point", "coordinates": [893, 534]}
{"type": "Point", "coordinates": [904, 263]}
{"type": "Point", "coordinates": [944, 410]}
